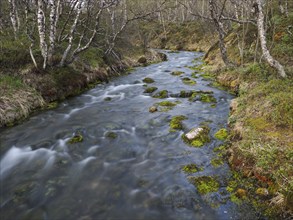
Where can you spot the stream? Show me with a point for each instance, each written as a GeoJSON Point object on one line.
{"type": "Point", "coordinates": [129, 164]}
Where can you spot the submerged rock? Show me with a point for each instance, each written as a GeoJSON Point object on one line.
{"type": "Point", "coordinates": [161, 94]}
{"type": "Point", "coordinates": [177, 73]}
{"type": "Point", "coordinates": [148, 80]}
{"type": "Point", "coordinates": [153, 109]}
{"type": "Point", "coordinates": [75, 139]}
{"type": "Point", "coordinates": [111, 135]}
{"type": "Point", "coordinates": [207, 98]}
{"type": "Point", "coordinates": [222, 134]}
{"type": "Point", "coordinates": [197, 137]}
{"type": "Point", "coordinates": [191, 168]}
{"type": "Point", "coordinates": [107, 99]}
{"type": "Point", "coordinates": [188, 81]}
{"type": "Point", "coordinates": [205, 184]}
{"type": "Point", "coordinates": [176, 122]}
{"type": "Point", "coordinates": [150, 89]}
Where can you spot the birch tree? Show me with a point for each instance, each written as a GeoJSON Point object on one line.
{"type": "Point", "coordinates": [258, 7]}
{"type": "Point", "coordinates": [41, 20]}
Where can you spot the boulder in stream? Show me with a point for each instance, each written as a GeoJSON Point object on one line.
{"type": "Point", "coordinates": [197, 137]}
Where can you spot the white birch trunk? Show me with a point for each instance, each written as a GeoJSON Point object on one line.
{"type": "Point", "coordinates": [14, 16]}
{"type": "Point", "coordinates": [71, 33]}
{"type": "Point", "coordinates": [54, 15]}
{"type": "Point", "coordinates": [42, 31]}
{"type": "Point", "coordinates": [262, 36]}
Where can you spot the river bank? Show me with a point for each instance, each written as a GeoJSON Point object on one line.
{"type": "Point", "coordinates": [25, 90]}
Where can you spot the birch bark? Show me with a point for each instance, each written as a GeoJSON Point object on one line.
{"type": "Point", "coordinates": [41, 20]}
{"type": "Point", "coordinates": [262, 36]}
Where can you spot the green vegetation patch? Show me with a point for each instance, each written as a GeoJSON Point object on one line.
{"type": "Point", "coordinates": [148, 80]}
{"type": "Point", "coordinates": [195, 75]}
{"type": "Point", "coordinates": [75, 139]}
{"type": "Point", "coordinates": [217, 162]}
{"type": "Point", "coordinates": [176, 122]}
{"type": "Point", "coordinates": [207, 98]}
{"type": "Point", "coordinates": [197, 137]}
{"type": "Point", "coordinates": [205, 184]}
{"type": "Point", "coordinates": [167, 104]}
{"type": "Point", "coordinates": [150, 89]}
{"type": "Point", "coordinates": [161, 94]}
{"type": "Point", "coordinates": [176, 73]}
{"type": "Point", "coordinates": [191, 168]}
{"type": "Point", "coordinates": [188, 81]}
{"type": "Point", "coordinates": [221, 134]}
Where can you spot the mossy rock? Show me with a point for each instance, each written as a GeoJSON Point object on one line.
{"type": "Point", "coordinates": [150, 89]}
{"type": "Point", "coordinates": [197, 137]}
{"type": "Point", "coordinates": [188, 81]}
{"type": "Point", "coordinates": [219, 148]}
{"type": "Point", "coordinates": [191, 168]}
{"type": "Point", "coordinates": [52, 105]}
{"type": "Point", "coordinates": [194, 75]}
{"type": "Point", "coordinates": [107, 99]}
{"type": "Point", "coordinates": [148, 80]}
{"type": "Point", "coordinates": [176, 122]}
{"type": "Point", "coordinates": [167, 104]}
{"type": "Point", "coordinates": [217, 162]}
{"type": "Point", "coordinates": [161, 94]}
{"type": "Point", "coordinates": [205, 184]}
{"type": "Point", "coordinates": [111, 135]}
{"type": "Point", "coordinates": [221, 134]}
{"type": "Point", "coordinates": [184, 94]}
{"type": "Point", "coordinates": [177, 73]}
{"type": "Point", "coordinates": [75, 139]}
{"type": "Point", "coordinates": [207, 98]}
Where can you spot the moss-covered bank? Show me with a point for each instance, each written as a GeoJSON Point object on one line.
{"type": "Point", "coordinates": [24, 89]}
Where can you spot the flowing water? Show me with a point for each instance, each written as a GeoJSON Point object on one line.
{"type": "Point", "coordinates": [137, 175]}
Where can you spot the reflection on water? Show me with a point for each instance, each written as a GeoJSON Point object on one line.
{"type": "Point", "coordinates": [134, 174]}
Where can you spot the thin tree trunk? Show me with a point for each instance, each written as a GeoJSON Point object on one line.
{"type": "Point", "coordinates": [14, 16]}
{"type": "Point", "coordinates": [220, 29]}
{"type": "Point", "coordinates": [262, 36]}
{"type": "Point", "coordinates": [53, 26]}
{"type": "Point", "coordinates": [71, 33]}
{"type": "Point", "coordinates": [42, 32]}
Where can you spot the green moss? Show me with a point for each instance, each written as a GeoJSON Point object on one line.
{"type": "Point", "coordinates": [75, 139]}
{"type": "Point", "coordinates": [205, 184]}
{"type": "Point", "coordinates": [148, 80]}
{"type": "Point", "coordinates": [52, 105]}
{"type": "Point", "coordinates": [232, 185]}
{"type": "Point", "coordinates": [176, 122]}
{"type": "Point", "coordinates": [234, 198]}
{"type": "Point", "coordinates": [194, 75]}
{"type": "Point", "coordinates": [207, 98]}
{"type": "Point", "coordinates": [187, 94]}
{"type": "Point", "coordinates": [150, 89]}
{"type": "Point", "coordinates": [217, 162]}
{"type": "Point", "coordinates": [207, 76]}
{"type": "Point", "coordinates": [213, 105]}
{"type": "Point", "coordinates": [221, 134]}
{"type": "Point", "coordinates": [161, 94]}
{"type": "Point", "coordinates": [219, 148]}
{"type": "Point", "coordinates": [188, 81]}
{"type": "Point", "coordinates": [111, 135]}
{"type": "Point", "coordinates": [201, 139]}
{"type": "Point", "coordinates": [191, 168]}
{"type": "Point", "coordinates": [177, 73]}
{"type": "Point", "coordinates": [258, 123]}
{"type": "Point", "coordinates": [167, 104]}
